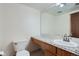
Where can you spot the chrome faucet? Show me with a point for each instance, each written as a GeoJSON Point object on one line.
{"type": "Point", "coordinates": [66, 38]}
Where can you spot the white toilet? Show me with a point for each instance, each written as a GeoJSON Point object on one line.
{"type": "Point", "coordinates": [19, 47]}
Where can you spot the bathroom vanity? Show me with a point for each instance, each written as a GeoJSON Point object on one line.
{"type": "Point", "coordinates": [51, 49]}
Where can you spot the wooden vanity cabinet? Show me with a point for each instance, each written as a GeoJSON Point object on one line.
{"type": "Point", "coordinates": [50, 50]}
{"type": "Point", "coordinates": [47, 49]}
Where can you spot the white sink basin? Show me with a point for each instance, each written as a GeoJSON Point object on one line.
{"type": "Point", "coordinates": [68, 44]}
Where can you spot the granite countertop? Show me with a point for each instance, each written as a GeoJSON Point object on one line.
{"type": "Point", "coordinates": [50, 41]}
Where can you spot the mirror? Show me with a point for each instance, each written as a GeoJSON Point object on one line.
{"type": "Point", "coordinates": [56, 18]}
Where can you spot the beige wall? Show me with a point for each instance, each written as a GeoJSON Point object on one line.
{"type": "Point", "coordinates": [1, 27]}
{"type": "Point", "coordinates": [18, 22]}
{"type": "Point", "coordinates": [55, 25]}
{"type": "Point", "coordinates": [62, 24]}
{"type": "Point", "coordinates": [47, 23]}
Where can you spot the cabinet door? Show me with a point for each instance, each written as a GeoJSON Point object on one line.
{"type": "Point", "coordinates": [52, 49]}
{"type": "Point", "coordinates": [61, 52]}
{"type": "Point", "coordinates": [47, 53]}
{"type": "Point", "coordinates": [49, 49]}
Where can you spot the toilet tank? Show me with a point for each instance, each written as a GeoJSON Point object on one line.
{"type": "Point", "coordinates": [19, 45]}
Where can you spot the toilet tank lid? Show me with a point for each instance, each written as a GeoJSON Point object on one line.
{"type": "Point", "coordinates": [20, 45]}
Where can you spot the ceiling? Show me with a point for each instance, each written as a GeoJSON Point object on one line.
{"type": "Point", "coordinates": [52, 8]}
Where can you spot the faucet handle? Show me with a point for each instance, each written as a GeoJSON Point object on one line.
{"type": "Point", "coordinates": [64, 37]}
{"type": "Point", "coordinates": [68, 38]}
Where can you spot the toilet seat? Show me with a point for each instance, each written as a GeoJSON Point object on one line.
{"type": "Point", "coordinates": [23, 53]}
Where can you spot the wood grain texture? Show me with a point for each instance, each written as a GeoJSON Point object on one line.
{"type": "Point", "coordinates": [50, 50]}
{"type": "Point", "coordinates": [75, 24]}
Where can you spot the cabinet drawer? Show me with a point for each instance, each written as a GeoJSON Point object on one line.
{"type": "Point", "coordinates": [35, 41]}
{"type": "Point", "coordinates": [43, 45]}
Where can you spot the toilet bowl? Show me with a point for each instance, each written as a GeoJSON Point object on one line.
{"type": "Point", "coordinates": [20, 48]}
{"type": "Point", "coordinates": [23, 53]}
